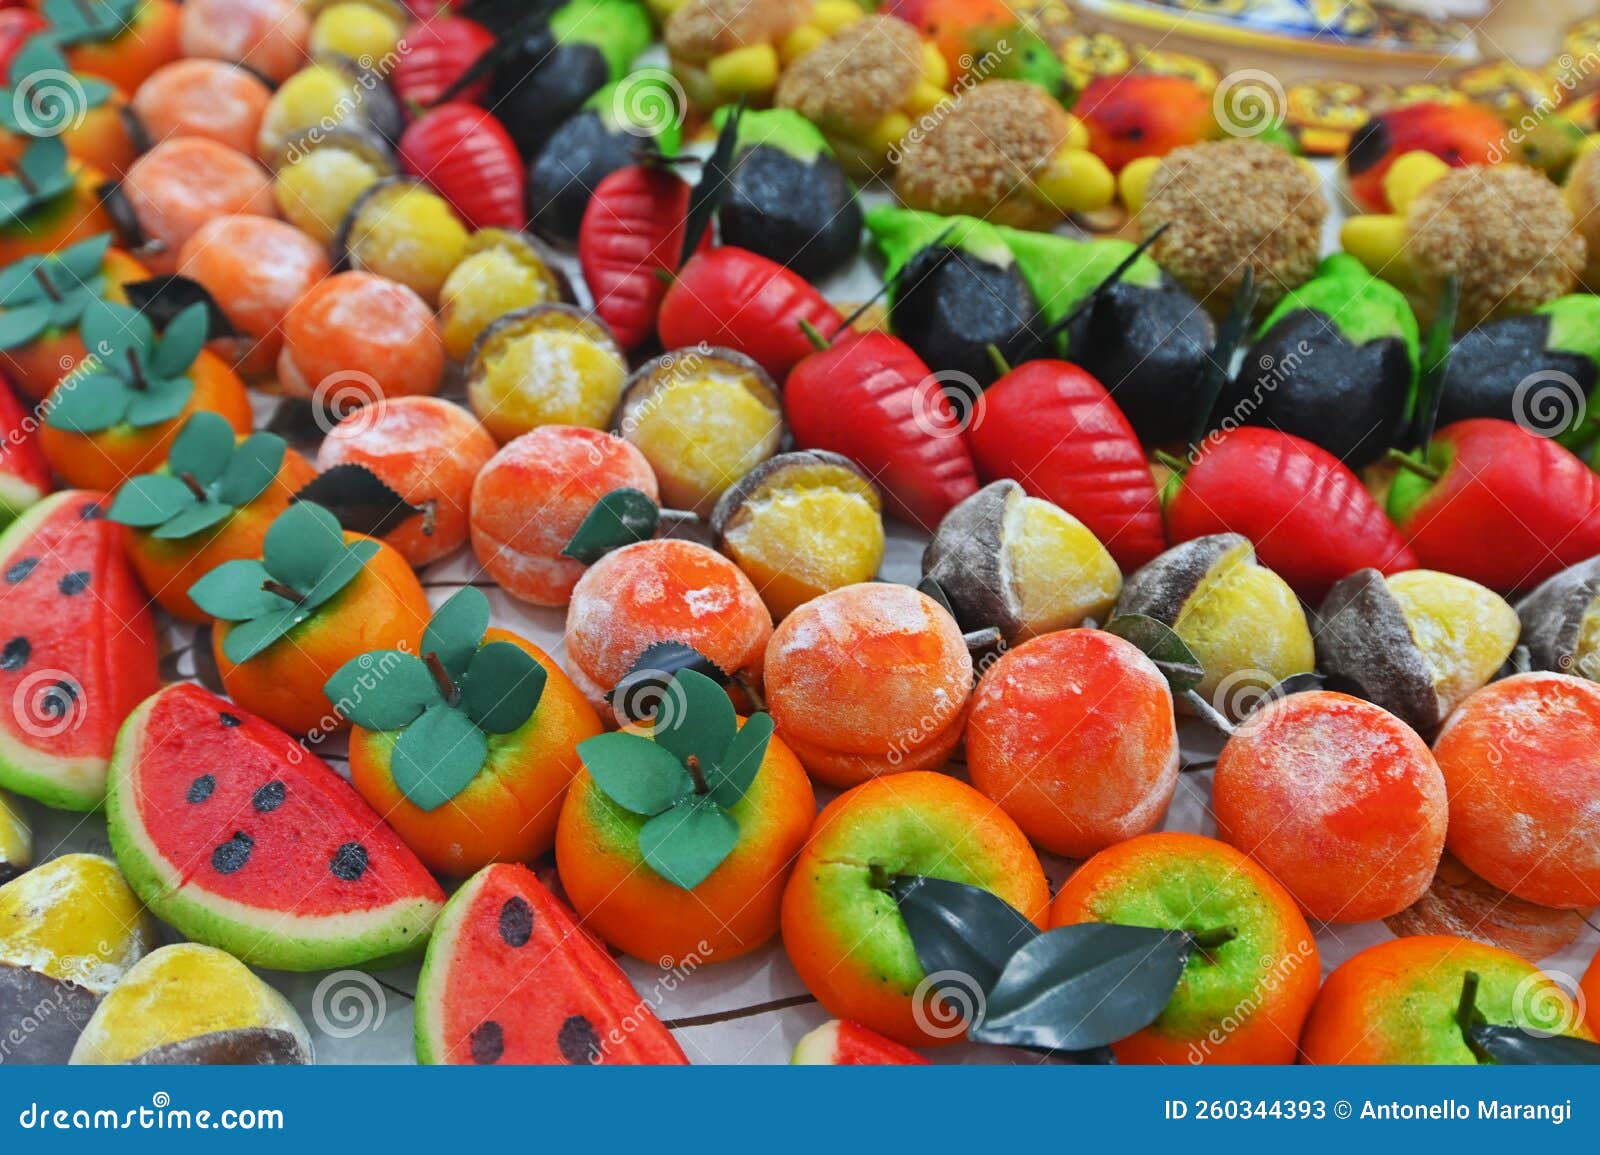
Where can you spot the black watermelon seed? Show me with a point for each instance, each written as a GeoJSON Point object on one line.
{"type": "Point", "coordinates": [60, 699]}
{"type": "Point", "coordinates": [578, 1040]}
{"type": "Point", "coordinates": [232, 854]}
{"type": "Point", "coordinates": [91, 511]}
{"type": "Point", "coordinates": [349, 861]}
{"type": "Point", "coordinates": [488, 1042]}
{"type": "Point", "coordinates": [516, 922]}
{"type": "Point", "coordinates": [20, 569]}
{"type": "Point", "coordinates": [200, 789]}
{"type": "Point", "coordinates": [74, 583]}
{"type": "Point", "coordinates": [268, 798]}
{"type": "Point", "coordinates": [229, 720]}
{"type": "Point", "coordinates": [15, 655]}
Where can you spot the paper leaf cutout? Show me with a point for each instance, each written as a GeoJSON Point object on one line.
{"type": "Point", "coordinates": [960, 929]}
{"type": "Point", "coordinates": [87, 403]}
{"type": "Point", "coordinates": [302, 542]}
{"type": "Point", "coordinates": [689, 841]}
{"type": "Point", "coordinates": [695, 719]}
{"type": "Point", "coordinates": [620, 518]}
{"type": "Point", "coordinates": [207, 478]}
{"type": "Point", "coordinates": [739, 764]}
{"type": "Point", "coordinates": [1161, 643]}
{"type": "Point", "coordinates": [247, 639]}
{"type": "Point", "coordinates": [360, 499]}
{"type": "Point", "coordinates": [1084, 986]}
{"type": "Point", "coordinates": [232, 591]}
{"type": "Point", "coordinates": [202, 447]}
{"type": "Point", "coordinates": [21, 323]}
{"type": "Point", "coordinates": [349, 562]}
{"type": "Point", "coordinates": [383, 689]}
{"type": "Point", "coordinates": [199, 517]}
{"type": "Point", "coordinates": [456, 630]}
{"type": "Point", "coordinates": [253, 464]}
{"type": "Point", "coordinates": [437, 755]}
{"type": "Point", "coordinates": [150, 499]}
{"type": "Point", "coordinates": [160, 400]}
{"type": "Point", "coordinates": [502, 687]}
{"type": "Point", "coordinates": [635, 773]}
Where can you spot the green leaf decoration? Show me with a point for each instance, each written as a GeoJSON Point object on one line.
{"type": "Point", "coordinates": [42, 96]}
{"type": "Point", "coordinates": [620, 518]}
{"type": "Point", "coordinates": [1084, 986]}
{"type": "Point", "coordinates": [383, 689]}
{"type": "Point", "coordinates": [207, 477]}
{"type": "Point", "coordinates": [88, 21]}
{"type": "Point", "coordinates": [305, 562]}
{"type": "Point", "coordinates": [733, 773]}
{"type": "Point", "coordinates": [695, 720]}
{"type": "Point", "coordinates": [437, 755]}
{"type": "Point", "coordinates": [164, 298]}
{"type": "Point", "coordinates": [50, 291]}
{"type": "Point", "coordinates": [635, 773]}
{"type": "Point", "coordinates": [180, 342]}
{"type": "Point", "coordinates": [707, 194]}
{"type": "Point", "coordinates": [302, 542]}
{"type": "Point", "coordinates": [502, 687]}
{"type": "Point", "coordinates": [1165, 648]}
{"type": "Point", "coordinates": [960, 929]}
{"type": "Point", "coordinates": [456, 630]}
{"type": "Point", "coordinates": [132, 376]}
{"type": "Point", "coordinates": [1436, 362]}
{"type": "Point", "coordinates": [1514, 1046]}
{"type": "Point", "coordinates": [361, 500]}
{"type": "Point", "coordinates": [1219, 364]}
{"type": "Point", "coordinates": [689, 841]}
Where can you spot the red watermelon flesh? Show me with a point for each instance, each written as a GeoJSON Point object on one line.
{"type": "Point", "coordinates": [77, 649]}
{"type": "Point", "coordinates": [241, 838]}
{"type": "Point", "coordinates": [24, 473]}
{"type": "Point", "coordinates": [512, 978]}
{"type": "Point", "coordinates": [842, 1043]}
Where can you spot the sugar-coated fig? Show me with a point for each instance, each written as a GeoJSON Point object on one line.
{"type": "Point", "coordinates": [1416, 643]}
{"type": "Point", "coordinates": [1241, 619]}
{"type": "Point", "coordinates": [801, 524]}
{"type": "Point", "coordinates": [1020, 564]}
{"type": "Point", "coordinates": [188, 1004]}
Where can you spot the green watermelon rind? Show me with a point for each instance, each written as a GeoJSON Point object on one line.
{"type": "Point", "coordinates": [399, 932]}
{"type": "Point", "coordinates": [17, 497]}
{"type": "Point", "coordinates": [27, 771]}
{"type": "Point", "coordinates": [428, 1020]}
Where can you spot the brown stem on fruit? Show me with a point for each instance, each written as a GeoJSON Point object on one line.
{"type": "Point", "coordinates": [879, 876]}
{"type": "Point", "coordinates": [818, 341]}
{"type": "Point", "coordinates": [194, 485]}
{"type": "Point", "coordinates": [1209, 714]}
{"type": "Point", "coordinates": [692, 764]}
{"type": "Point", "coordinates": [27, 182]}
{"type": "Point", "coordinates": [997, 359]}
{"type": "Point", "coordinates": [1411, 465]}
{"type": "Point", "coordinates": [46, 284]}
{"type": "Point", "coordinates": [1172, 461]}
{"type": "Point", "coordinates": [441, 677]}
{"type": "Point", "coordinates": [1468, 1015]}
{"type": "Point", "coordinates": [984, 639]}
{"type": "Point", "coordinates": [287, 593]}
{"type": "Point", "coordinates": [136, 369]}
{"type": "Point", "coordinates": [1215, 937]}
{"type": "Point", "coordinates": [430, 517]}
{"type": "Point", "coordinates": [752, 692]}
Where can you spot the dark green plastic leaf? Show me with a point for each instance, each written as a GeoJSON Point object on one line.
{"type": "Point", "coordinates": [1219, 362]}
{"type": "Point", "coordinates": [350, 562]}
{"type": "Point", "coordinates": [708, 192]}
{"type": "Point", "coordinates": [456, 629]}
{"type": "Point", "coordinates": [302, 542]}
{"type": "Point", "coordinates": [739, 764]}
{"type": "Point", "coordinates": [23, 323]}
{"type": "Point", "coordinates": [87, 403]}
{"type": "Point", "coordinates": [1513, 1046]}
{"type": "Point", "coordinates": [695, 719]}
{"type": "Point", "coordinates": [111, 331]}
{"type": "Point", "coordinates": [638, 693]}
{"type": "Point", "coordinates": [163, 299]}
{"type": "Point", "coordinates": [620, 518]}
{"type": "Point", "coordinates": [1083, 986]}
{"type": "Point", "coordinates": [437, 755]}
{"type": "Point", "coordinates": [181, 342]}
{"type": "Point", "coordinates": [960, 929]}
{"type": "Point", "coordinates": [232, 591]}
{"type": "Point", "coordinates": [1164, 647]}
{"type": "Point", "coordinates": [360, 499]}
{"type": "Point", "coordinates": [202, 447]}
{"type": "Point", "coordinates": [198, 517]}
{"type": "Point", "coordinates": [247, 639]}
{"type": "Point", "coordinates": [255, 461]}
{"type": "Point", "coordinates": [1436, 362]}
{"type": "Point", "coordinates": [383, 689]}
{"type": "Point", "coordinates": [150, 499]}
{"type": "Point", "coordinates": [688, 842]}
{"type": "Point", "coordinates": [44, 162]}
{"type": "Point", "coordinates": [634, 772]}
{"type": "Point", "coordinates": [934, 590]}
{"type": "Point", "coordinates": [160, 400]}
{"type": "Point", "coordinates": [502, 687]}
